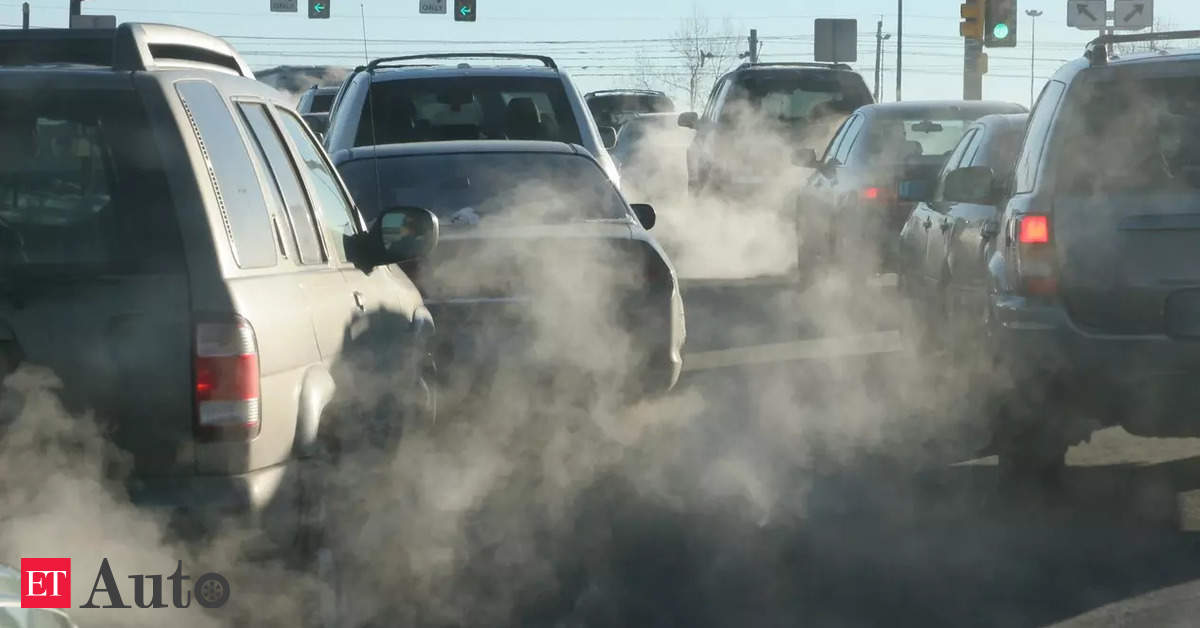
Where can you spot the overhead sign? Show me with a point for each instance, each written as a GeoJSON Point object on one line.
{"type": "Point", "coordinates": [1133, 15]}
{"type": "Point", "coordinates": [835, 41]}
{"type": "Point", "coordinates": [318, 9]}
{"type": "Point", "coordinates": [1088, 15]}
{"type": "Point", "coordinates": [93, 21]}
{"type": "Point", "coordinates": [285, 6]}
{"type": "Point", "coordinates": [433, 6]}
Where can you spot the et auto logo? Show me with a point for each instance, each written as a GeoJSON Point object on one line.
{"type": "Point", "coordinates": [46, 583]}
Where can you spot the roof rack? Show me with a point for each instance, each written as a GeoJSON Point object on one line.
{"type": "Point", "coordinates": [1097, 50]}
{"type": "Point", "coordinates": [648, 92]}
{"type": "Point", "coordinates": [130, 47]}
{"type": "Point", "coordinates": [802, 64]}
{"type": "Point", "coordinates": [386, 61]}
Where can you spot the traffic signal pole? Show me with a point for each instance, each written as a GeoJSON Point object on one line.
{"type": "Point", "coordinates": [76, 8]}
{"type": "Point", "coordinates": [972, 70]}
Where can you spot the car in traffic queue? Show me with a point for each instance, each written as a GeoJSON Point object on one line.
{"type": "Point", "coordinates": [540, 258]}
{"type": "Point", "coordinates": [852, 207]}
{"type": "Point", "coordinates": [943, 244]}
{"type": "Point", "coordinates": [757, 114]}
{"type": "Point", "coordinates": [1094, 281]}
{"type": "Point", "coordinates": [465, 96]}
{"type": "Point", "coordinates": [177, 248]}
{"type": "Point", "coordinates": [614, 107]}
{"type": "Point", "coordinates": [314, 106]}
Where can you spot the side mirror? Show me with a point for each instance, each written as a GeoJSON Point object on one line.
{"type": "Point", "coordinates": [608, 136]}
{"type": "Point", "coordinates": [916, 190]}
{"type": "Point", "coordinates": [976, 184]}
{"type": "Point", "coordinates": [645, 215]}
{"type": "Point", "coordinates": [403, 234]}
{"type": "Point", "coordinates": [689, 120]}
{"type": "Point", "coordinates": [805, 158]}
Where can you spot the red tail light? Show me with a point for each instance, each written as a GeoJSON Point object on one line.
{"type": "Point", "coordinates": [1036, 269]}
{"type": "Point", "coordinates": [225, 368]}
{"type": "Point", "coordinates": [1034, 230]}
{"type": "Point", "coordinates": [871, 194]}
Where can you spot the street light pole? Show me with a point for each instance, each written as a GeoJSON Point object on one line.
{"type": "Point", "coordinates": [880, 37]}
{"type": "Point", "coordinates": [1034, 15]}
{"type": "Point", "coordinates": [899, 45]}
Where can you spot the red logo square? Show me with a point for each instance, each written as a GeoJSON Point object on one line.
{"type": "Point", "coordinates": [45, 583]}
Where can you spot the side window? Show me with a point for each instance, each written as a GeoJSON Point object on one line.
{"type": "Point", "coordinates": [712, 99]}
{"type": "Point", "coordinates": [969, 140]}
{"type": "Point", "coordinates": [233, 177]}
{"type": "Point", "coordinates": [974, 153]}
{"type": "Point", "coordinates": [336, 213]}
{"type": "Point", "coordinates": [287, 181]}
{"type": "Point", "coordinates": [832, 148]}
{"type": "Point", "coordinates": [843, 151]}
{"type": "Point", "coordinates": [718, 102]}
{"type": "Point", "coordinates": [1035, 138]}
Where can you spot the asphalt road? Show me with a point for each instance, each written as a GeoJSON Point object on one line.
{"type": "Point", "coordinates": [813, 487]}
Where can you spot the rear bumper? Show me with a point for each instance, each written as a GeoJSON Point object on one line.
{"type": "Point", "coordinates": [213, 495]}
{"type": "Point", "coordinates": [1147, 383]}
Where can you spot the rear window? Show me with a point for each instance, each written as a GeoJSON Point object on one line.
{"type": "Point", "coordinates": [795, 97]}
{"type": "Point", "coordinates": [616, 109]}
{"type": "Point", "coordinates": [321, 103]}
{"type": "Point", "coordinates": [467, 108]}
{"type": "Point", "coordinates": [82, 186]}
{"type": "Point", "coordinates": [896, 140]}
{"type": "Point", "coordinates": [1138, 135]}
{"type": "Point", "coordinates": [466, 188]}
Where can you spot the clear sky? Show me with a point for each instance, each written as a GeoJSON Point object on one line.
{"type": "Point", "coordinates": [603, 43]}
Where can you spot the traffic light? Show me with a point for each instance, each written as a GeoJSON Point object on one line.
{"type": "Point", "coordinates": [464, 10]}
{"type": "Point", "coordinates": [972, 14]}
{"type": "Point", "coordinates": [1000, 26]}
{"type": "Point", "coordinates": [318, 9]}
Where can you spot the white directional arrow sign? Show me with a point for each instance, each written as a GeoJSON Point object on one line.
{"type": "Point", "coordinates": [1133, 14]}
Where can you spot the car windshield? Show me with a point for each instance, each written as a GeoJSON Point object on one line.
{"type": "Point", "coordinates": [1138, 135]}
{"type": "Point", "coordinates": [468, 108]}
{"type": "Point", "coordinates": [75, 167]}
{"type": "Point", "coordinates": [467, 188]}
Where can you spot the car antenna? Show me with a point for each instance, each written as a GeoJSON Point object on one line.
{"type": "Point", "coordinates": [362, 12]}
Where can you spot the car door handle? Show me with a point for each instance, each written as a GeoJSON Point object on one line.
{"type": "Point", "coordinates": [927, 224]}
{"type": "Point", "coordinates": [360, 301]}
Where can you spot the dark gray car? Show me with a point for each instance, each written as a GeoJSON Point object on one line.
{"type": "Point", "coordinates": [178, 249]}
{"type": "Point", "coordinates": [1094, 277]}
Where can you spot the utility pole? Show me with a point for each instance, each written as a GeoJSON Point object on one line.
{"type": "Point", "coordinates": [25, 15]}
{"type": "Point", "coordinates": [76, 9]}
{"type": "Point", "coordinates": [972, 69]}
{"type": "Point", "coordinates": [880, 37]}
{"type": "Point", "coordinates": [754, 45]}
{"type": "Point", "coordinates": [899, 45]}
{"type": "Point", "coordinates": [1034, 15]}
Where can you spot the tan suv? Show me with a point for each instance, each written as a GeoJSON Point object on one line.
{"type": "Point", "coordinates": [177, 248]}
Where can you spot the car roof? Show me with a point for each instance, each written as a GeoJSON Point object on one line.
{"type": "Point", "coordinates": [1004, 120]}
{"type": "Point", "coordinates": [624, 92]}
{"type": "Point", "coordinates": [947, 108]}
{"type": "Point", "coordinates": [450, 71]}
{"type": "Point", "coordinates": [458, 147]}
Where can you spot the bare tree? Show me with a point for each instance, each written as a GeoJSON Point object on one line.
{"type": "Point", "coordinates": [1154, 45]}
{"type": "Point", "coordinates": [705, 53]}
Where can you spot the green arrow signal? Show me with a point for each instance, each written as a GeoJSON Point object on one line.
{"type": "Point", "coordinates": [319, 7]}
{"type": "Point", "coordinates": [465, 11]}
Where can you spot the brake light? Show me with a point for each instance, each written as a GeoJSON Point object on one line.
{"type": "Point", "coordinates": [226, 381]}
{"type": "Point", "coordinates": [870, 194]}
{"type": "Point", "coordinates": [1035, 266]}
{"type": "Point", "coordinates": [1034, 230]}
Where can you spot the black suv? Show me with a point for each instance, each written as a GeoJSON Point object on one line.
{"type": "Point", "coordinates": [1095, 264]}
{"type": "Point", "coordinates": [614, 107]}
{"type": "Point", "coordinates": [802, 104]}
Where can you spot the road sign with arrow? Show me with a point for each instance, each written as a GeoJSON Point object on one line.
{"type": "Point", "coordinates": [318, 9]}
{"type": "Point", "coordinates": [1133, 15]}
{"type": "Point", "coordinates": [464, 10]}
{"type": "Point", "coordinates": [1088, 15]}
